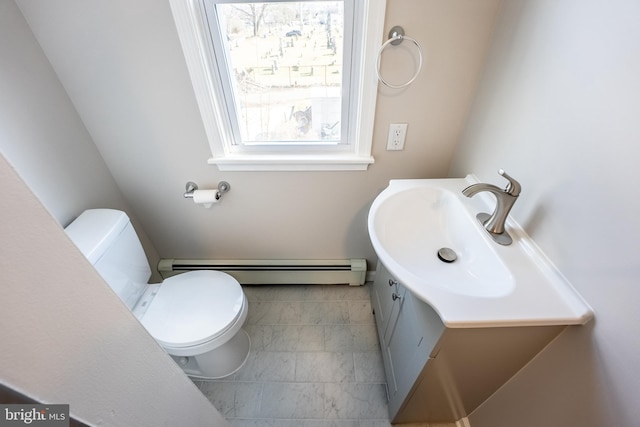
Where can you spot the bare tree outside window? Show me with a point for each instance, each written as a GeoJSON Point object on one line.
{"type": "Point", "coordinates": [254, 13]}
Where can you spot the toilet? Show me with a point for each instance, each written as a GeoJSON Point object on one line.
{"type": "Point", "coordinates": [197, 316]}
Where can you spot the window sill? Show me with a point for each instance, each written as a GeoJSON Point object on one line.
{"type": "Point", "coordinates": [280, 162]}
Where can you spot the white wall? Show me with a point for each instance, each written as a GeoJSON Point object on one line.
{"type": "Point", "coordinates": [121, 64]}
{"type": "Point", "coordinates": [40, 131]}
{"type": "Point", "coordinates": [43, 137]}
{"type": "Point", "coordinates": [558, 109]}
{"type": "Point", "coordinates": [66, 338]}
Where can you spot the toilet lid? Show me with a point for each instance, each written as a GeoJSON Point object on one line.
{"type": "Point", "coordinates": [193, 308]}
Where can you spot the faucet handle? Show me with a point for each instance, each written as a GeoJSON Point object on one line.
{"type": "Point", "coordinates": [513, 187]}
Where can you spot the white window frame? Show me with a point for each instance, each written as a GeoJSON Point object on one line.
{"type": "Point", "coordinates": [355, 155]}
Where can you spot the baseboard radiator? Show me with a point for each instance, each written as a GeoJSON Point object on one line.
{"type": "Point", "coordinates": [269, 272]}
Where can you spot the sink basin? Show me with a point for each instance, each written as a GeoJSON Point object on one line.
{"type": "Point", "coordinates": [487, 284]}
{"type": "Point", "coordinates": [412, 224]}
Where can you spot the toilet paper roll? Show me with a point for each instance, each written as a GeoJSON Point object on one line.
{"type": "Point", "coordinates": [206, 197]}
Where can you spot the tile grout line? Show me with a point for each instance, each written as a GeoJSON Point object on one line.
{"type": "Point", "coordinates": [367, 377]}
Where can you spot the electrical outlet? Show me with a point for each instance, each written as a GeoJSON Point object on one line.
{"type": "Point", "coordinates": [397, 133]}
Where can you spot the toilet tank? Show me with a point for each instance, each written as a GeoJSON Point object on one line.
{"type": "Point", "coordinates": [107, 239]}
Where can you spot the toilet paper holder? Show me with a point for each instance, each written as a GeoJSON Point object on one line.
{"type": "Point", "coordinates": [190, 187]}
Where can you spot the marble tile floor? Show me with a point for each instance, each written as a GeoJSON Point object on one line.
{"type": "Point", "coordinates": [314, 362]}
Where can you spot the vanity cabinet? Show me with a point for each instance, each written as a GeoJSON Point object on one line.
{"type": "Point", "coordinates": [440, 374]}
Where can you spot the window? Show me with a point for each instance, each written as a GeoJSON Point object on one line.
{"type": "Point", "coordinates": [282, 69]}
{"type": "Point", "coordinates": [284, 84]}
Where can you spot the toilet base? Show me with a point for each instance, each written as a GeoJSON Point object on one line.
{"type": "Point", "coordinates": [220, 362]}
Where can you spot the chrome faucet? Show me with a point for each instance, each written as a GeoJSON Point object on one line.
{"type": "Point", "coordinates": [494, 223]}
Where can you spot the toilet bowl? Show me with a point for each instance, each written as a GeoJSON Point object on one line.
{"type": "Point", "coordinates": [197, 316]}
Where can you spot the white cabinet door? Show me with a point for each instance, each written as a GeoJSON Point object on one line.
{"type": "Point", "coordinates": [382, 299]}
{"type": "Point", "coordinates": [408, 330]}
{"type": "Point", "coordinates": [404, 341]}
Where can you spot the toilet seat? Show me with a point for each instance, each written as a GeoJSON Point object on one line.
{"type": "Point", "coordinates": [194, 309]}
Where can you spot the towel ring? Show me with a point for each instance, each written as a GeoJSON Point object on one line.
{"type": "Point", "coordinates": [396, 36]}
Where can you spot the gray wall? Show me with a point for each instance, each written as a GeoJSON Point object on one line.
{"type": "Point", "coordinates": [558, 108]}
{"type": "Point", "coordinates": [123, 68]}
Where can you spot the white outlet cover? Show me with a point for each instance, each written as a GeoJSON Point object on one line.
{"type": "Point", "coordinates": [397, 134]}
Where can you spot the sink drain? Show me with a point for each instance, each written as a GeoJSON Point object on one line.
{"type": "Point", "coordinates": [447, 255]}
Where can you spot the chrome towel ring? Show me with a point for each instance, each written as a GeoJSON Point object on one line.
{"type": "Point", "coordinates": [396, 36]}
